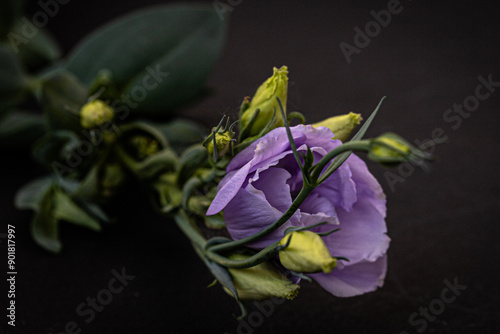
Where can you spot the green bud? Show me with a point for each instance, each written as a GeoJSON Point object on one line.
{"type": "Point", "coordinates": [391, 149]}
{"type": "Point", "coordinates": [306, 253]}
{"type": "Point", "coordinates": [262, 281]}
{"type": "Point", "coordinates": [265, 100]}
{"type": "Point", "coordinates": [342, 125]}
{"type": "Point", "coordinates": [112, 179]}
{"type": "Point", "coordinates": [144, 146]}
{"type": "Point", "coordinates": [95, 113]}
{"type": "Point", "coordinates": [223, 141]}
{"type": "Point", "coordinates": [169, 195]}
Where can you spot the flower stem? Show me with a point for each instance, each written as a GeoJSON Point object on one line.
{"type": "Point", "coordinates": [265, 254]}
{"type": "Point", "coordinates": [304, 192]}
{"type": "Point", "coordinates": [192, 232]}
{"type": "Point", "coordinates": [317, 178]}
{"type": "Point", "coordinates": [188, 228]}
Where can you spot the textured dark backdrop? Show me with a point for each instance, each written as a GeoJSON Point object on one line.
{"type": "Point", "coordinates": [443, 225]}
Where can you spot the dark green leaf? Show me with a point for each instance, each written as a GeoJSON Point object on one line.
{"type": "Point", "coordinates": [13, 82]}
{"type": "Point", "coordinates": [160, 56]}
{"type": "Point", "coordinates": [44, 226]}
{"type": "Point", "coordinates": [193, 158]}
{"type": "Point", "coordinates": [89, 187]}
{"type": "Point", "coordinates": [19, 130]}
{"type": "Point", "coordinates": [54, 146]}
{"type": "Point", "coordinates": [67, 210]}
{"type": "Point", "coordinates": [12, 78]}
{"type": "Point", "coordinates": [39, 50]}
{"type": "Point", "coordinates": [30, 196]}
{"type": "Point", "coordinates": [143, 129]}
{"type": "Point", "coordinates": [220, 273]}
{"type": "Point", "coordinates": [62, 96]}
{"type": "Point", "coordinates": [152, 166]}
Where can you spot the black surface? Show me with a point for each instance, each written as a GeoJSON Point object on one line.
{"type": "Point", "coordinates": [443, 225]}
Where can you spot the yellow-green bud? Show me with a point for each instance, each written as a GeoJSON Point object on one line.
{"type": "Point", "coordinates": [342, 125]}
{"type": "Point", "coordinates": [306, 253]}
{"type": "Point", "coordinates": [264, 99]}
{"type": "Point", "coordinates": [112, 178]}
{"type": "Point", "coordinates": [95, 113]}
{"type": "Point", "coordinates": [390, 148]}
{"type": "Point", "coordinates": [261, 282]}
{"type": "Point", "coordinates": [144, 146]}
{"type": "Point", "coordinates": [222, 140]}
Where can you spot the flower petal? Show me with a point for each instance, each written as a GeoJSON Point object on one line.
{"type": "Point", "coordinates": [362, 234]}
{"type": "Point", "coordinates": [249, 213]}
{"type": "Point", "coordinates": [354, 280]}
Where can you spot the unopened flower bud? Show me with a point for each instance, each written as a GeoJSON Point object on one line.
{"type": "Point", "coordinates": [112, 178]}
{"type": "Point", "coordinates": [306, 253]}
{"type": "Point", "coordinates": [95, 113]}
{"type": "Point", "coordinates": [144, 146]}
{"type": "Point", "coordinates": [265, 100]}
{"type": "Point", "coordinates": [390, 148]}
{"type": "Point", "coordinates": [222, 141]}
{"type": "Point", "coordinates": [262, 281]}
{"type": "Point", "coordinates": [342, 125]}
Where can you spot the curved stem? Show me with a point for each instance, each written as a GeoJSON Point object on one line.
{"type": "Point", "coordinates": [192, 232]}
{"type": "Point", "coordinates": [265, 254]}
{"type": "Point", "coordinates": [189, 229]}
{"type": "Point", "coordinates": [304, 192]}
{"type": "Point", "coordinates": [361, 145]}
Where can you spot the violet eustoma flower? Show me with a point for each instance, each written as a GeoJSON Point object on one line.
{"type": "Point", "coordinates": [263, 180]}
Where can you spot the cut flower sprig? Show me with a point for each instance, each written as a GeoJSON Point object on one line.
{"type": "Point", "coordinates": [314, 175]}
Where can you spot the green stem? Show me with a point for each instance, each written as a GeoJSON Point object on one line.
{"type": "Point", "coordinates": [265, 254]}
{"type": "Point", "coordinates": [304, 192]}
{"type": "Point", "coordinates": [188, 228]}
{"type": "Point", "coordinates": [192, 232]}
{"type": "Point", "coordinates": [361, 145]}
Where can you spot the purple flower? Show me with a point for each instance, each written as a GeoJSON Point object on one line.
{"type": "Point", "coordinates": [262, 181]}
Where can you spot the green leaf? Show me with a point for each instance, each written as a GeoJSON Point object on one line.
{"type": "Point", "coordinates": [45, 227]}
{"type": "Point", "coordinates": [62, 96]}
{"type": "Point", "coordinates": [30, 196]}
{"type": "Point", "coordinates": [54, 146]}
{"type": "Point", "coordinates": [160, 56]}
{"type": "Point", "coordinates": [20, 130]}
{"type": "Point", "coordinates": [89, 187]}
{"type": "Point", "coordinates": [34, 52]}
{"type": "Point", "coordinates": [52, 204]}
{"type": "Point", "coordinates": [67, 210]}
{"type": "Point", "coordinates": [12, 78]}
{"type": "Point", "coordinates": [193, 158]}
{"type": "Point", "coordinates": [13, 82]}
{"type": "Point", "coordinates": [220, 273]}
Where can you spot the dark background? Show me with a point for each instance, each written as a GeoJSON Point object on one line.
{"type": "Point", "coordinates": [443, 225]}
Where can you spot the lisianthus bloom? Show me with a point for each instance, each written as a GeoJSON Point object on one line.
{"type": "Point", "coordinates": [263, 180]}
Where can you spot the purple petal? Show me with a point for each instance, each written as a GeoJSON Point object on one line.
{"type": "Point", "coordinates": [362, 234]}
{"type": "Point", "coordinates": [232, 183]}
{"type": "Point", "coordinates": [273, 183]}
{"type": "Point", "coordinates": [249, 213]}
{"type": "Point", "coordinates": [340, 188]}
{"type": "Point", "coordinates": [354, 280]}
{"type": "Point", "coordinates": [366, 184]}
